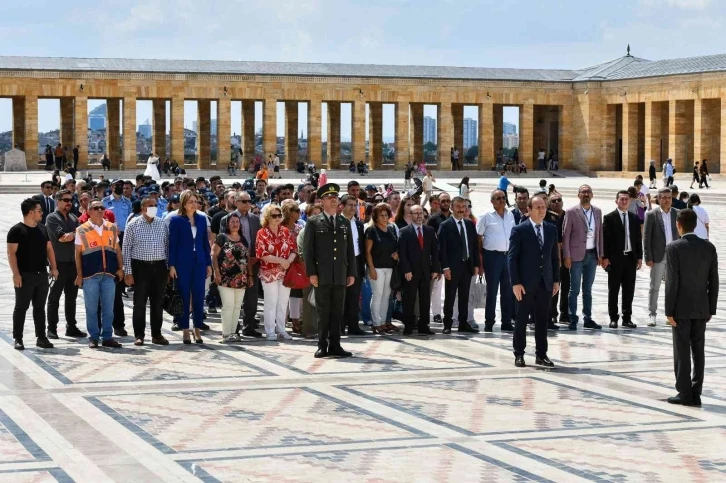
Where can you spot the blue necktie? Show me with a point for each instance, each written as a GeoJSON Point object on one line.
{"type": "Point", "coordinates": [539, 236]}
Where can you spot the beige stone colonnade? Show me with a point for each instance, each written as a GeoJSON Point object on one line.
{"type": "Point", "coordinates": [609, 125]}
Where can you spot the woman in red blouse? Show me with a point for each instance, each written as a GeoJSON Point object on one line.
{"type": "Point", "coordinates": [276, 248]}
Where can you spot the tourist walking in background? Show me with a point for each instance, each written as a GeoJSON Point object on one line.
{"type": "Point", "coordinates": [427, 186]}
{"type": "Point", "coordinates": [651, 175]}
{"type": "Point", "coordinates": [696, 175]}
{"type": "Point", "coordinates": [464, 190]}
{"type": "Point", "coordinates": [668, 172]}
{"type": "Point", "coordinates": [704, 174]}
{"type": "Point", "coordinates": [29, 253]}
{"type": "Point", "coordinates": [455, 159]}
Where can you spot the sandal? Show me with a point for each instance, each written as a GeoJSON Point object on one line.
{"type": "Point", "coordinates": [296, 327]}
{"type": "Point", "coordinates": [392, 328]}
{"type": "Point", "coordinates": [381, 329]}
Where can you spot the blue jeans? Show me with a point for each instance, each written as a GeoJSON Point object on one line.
{"type": "Point", "coordinates": [496, 273]}
{"type": "Point", "coordinates": [583, 271]}
{"type": "Point", "coordinates": [365, 306]}
{"type": "Point", "coordinates": [101, 287]}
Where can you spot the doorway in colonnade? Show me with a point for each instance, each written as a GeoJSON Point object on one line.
{"type": "Point", "coordinates": [292, 125]}
{"type": "Point", "coordinates": [466, 135]}
{"type": "Point", "coordinates": [336, 134]}
{"type": "Point", "coordinates": [53, 132]}
{"type": "Point", "coordinates": [546, 136]}
{"type": "Point", "coordinates": [506, 136]}
{"type": "Point", "coordinates": [6, 127]}
{"type": "Point", "coordinates": [105, 123]}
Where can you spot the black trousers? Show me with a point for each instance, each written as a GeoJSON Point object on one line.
{"type": "Point", "coordinates": [34, 289]}
{"type": "Point", "coordinates": [330, 304]}
{"type": "Point", "coordinates": [64, 284]}
{"type": "Point", "coordinates": [689, 336]}
{"type": "Point", "coordinates": [419, 285]}
{"type": "Point", "coordinates": [149, 283]}
{"type": "Point", "coordinates": [704, 181]}
{"type": "Point", "coordinates": [351, 306]}
{"type": "Point", "coordinates": [622, 274]}
{"type": "Point", "coordinates": [119, 319]}
{"type": "Point", "coordinates": [249, 305]}
{"type": "Point", "coordinates": [536, 302]}
{"type": "Point", "coordinates": [562, 296]}
{"type": "Point", "coordinates": [460, 282]}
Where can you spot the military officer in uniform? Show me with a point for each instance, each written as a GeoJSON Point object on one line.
{"type": "Point", "coordinates": [330, 263]}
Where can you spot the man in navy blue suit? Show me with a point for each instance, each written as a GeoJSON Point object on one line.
{"type": "Point", "coordinates": [534, 269]}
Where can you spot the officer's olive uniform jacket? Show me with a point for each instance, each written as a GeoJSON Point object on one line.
{"type": "Point", "coordinates": [329, 253]}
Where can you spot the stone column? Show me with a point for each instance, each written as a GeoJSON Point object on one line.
{"type": "Point", "coordinates": [291, 136]}
{"type": "Point", "coordinates": [498, 120]}
{"type": "Point", "coordinates": [630, 136]}
{"type": "Point", "coordinates": [358, 132]}
{"type": "Point", "coordinates": [375, 134]}
{"type": "Point", "coordinates": [158, 141]}
{"type": "Point", "coordinates": [269, 129]}
{"type": "Point", "coordinates": [81, 129]}
{"type": "Point", "coordinates": [445, 135]}
{"type": "Point", "coordinates": [487, 155]}
{"type": "Point", "coordinates": [248, 132]}
{"type": "Point", "coordinates": [417, 132]}
{"type": "Point", "coordinates": [130, 157]}
{"type": "Point", "coordinates": [204, 125]}
{"type": "Point", "coordinates": [672, 136]}
{"type": "Point", "coordinates": [457, 114]}
{"type": "Point", "coordinates": [19, 126]}
{"type": "Point", "coordinates": [652, 132]}
{"type": "Point", "coordinates": [333, 151]}
{"type": "Point", "coordinates": [113, 131]}
{"type": "Point", "coordinates": [224, 132]}
{"type": "Point", "coordinates": [526, 136]}
{"type": "Point", "coordinates": [315, 144]}
{"type": "Point", "coordinates": [566, 143]}
{"type": "Point", "coordinates": [722, 134]}
{"type": "Point", "coordinates": [700, 131]}
{"type": "Point", "coordinates": [607, 161]}
{"type": "Point", "coordinates": [402, 147]}
{"type": "Point", "coordinates": [31, 130]}
{"type": "Point", "coordinates": [66, 123]}
{"type": "Point", "coordinates": [177, 130]}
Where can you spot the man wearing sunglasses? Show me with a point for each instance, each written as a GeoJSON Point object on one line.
{"type": "Point", "coordinates": [556, 216]}
{"type": "Point", "coordinates": [61, 225]}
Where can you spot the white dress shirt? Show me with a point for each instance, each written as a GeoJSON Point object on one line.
{"type": "Point", "coordinates": [354, 235]}
{"type": "Point", "coordinates": [495, 230]}
{"type": "Point", "coordinates": [627, 248]}
{"type": "Point", "coordinates": [667, 228]}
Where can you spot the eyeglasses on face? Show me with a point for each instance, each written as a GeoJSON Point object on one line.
{"type": "Point", "coordinates": [557, 200]}
{"type": "Point", "coordinates": [244, 202]}
{"type": "Point", "coordinates": [97, 208]}
{"type": "Point", "coordinates": [468, 206]}
{"type": "Point", "coordinates": [276, 216]}
{"type": "Point", "coordinates": [66, 200]}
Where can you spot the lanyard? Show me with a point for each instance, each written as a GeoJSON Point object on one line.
{"type": "Point", "coordinates": [589, 220]}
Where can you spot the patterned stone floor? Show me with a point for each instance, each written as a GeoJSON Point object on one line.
{"type": "Point", "coordinates": [442, 408]}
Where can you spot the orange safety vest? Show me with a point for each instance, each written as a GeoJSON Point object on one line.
{"type": "Point", "coordinates": [98, 252]}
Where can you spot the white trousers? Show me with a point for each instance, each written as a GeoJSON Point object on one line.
{"type": "Point", "coordinates": [436, 287]}
{"type": "Point", "coordinates": [275, 306]}
{"type": "Point", "coordinates": [381, 289]}
{"type": "Point", "coordinates": [470, 315]}
{"type": "Point", "coordinates": [231, 304]}
{"type": "Point", "coordinates": [295, 307]}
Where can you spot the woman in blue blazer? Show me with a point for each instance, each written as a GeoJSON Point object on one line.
{"type": "Point", "coordinates": [190, 261]}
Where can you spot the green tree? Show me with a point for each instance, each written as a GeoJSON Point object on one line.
{"type": "Point", "coordinates": [472, 152]}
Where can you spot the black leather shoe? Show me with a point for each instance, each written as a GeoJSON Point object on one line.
{"type": "Point", "coordinates": [437, 319]}
{"type": "Point", "coordinates": [407, 331]}
{"type": "Point", "coordinates": [564, 319]}
{"type": "Point", "coordinates": [93, 344]}
{"type": "Point", "coordinates": [204, 326]}
{"type": "Point", "coordinates": [357, 331]}
{"type": "Point", "coordinates": [467, 328]}
{"type": "Point", "coordinates": [544, 361]}
{"type": "Point", "coordinates": [629, 325]}
{"type": "Point", "coordinates": [426, 331]}
{"type": "Point", "coordinates": [519, 361]}
{"type": "Point", "coordinates": [120, 332]}
{"type": "Point", "coordinates": [111, 343]}
{"type": "Point", "coordinates": [52, 334]}
{"type": "Point", "coordinates": [447, 330]}
{"type": "Point", "coordinates": [614, 324]}
{"type": "Point", "coordinates": [696, 400]}
{"type": "Point", "coordinates": [337, 351]}
{"type": "Point", "coordinates": [553, 326]}
{"type": "Point", "coordinates": [677, 399]}
{"type": "Point", "coordinates": [43, 343]}
{"type": "Point", "coordinates": [507, 328]}
{"type": "Point", "coordinates": [19, 345]}
{"type": "Point", "coordinates": [251, 333]}
{"type": "Point", "coordinates": [321, 352]}
{"type": "Point", "coordinates": [590, 324]}
{"type": "Point", "coordinates": [75, 332]}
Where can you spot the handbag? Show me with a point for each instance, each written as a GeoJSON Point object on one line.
{"type": "Point", "coordinates": [296, 277]}
{"type": "Point", "coordinates": [396, 279]}
{"type": "Point", "coordinates": [479, 293]}
{"type": "Point", "coordinates": [172, 300]}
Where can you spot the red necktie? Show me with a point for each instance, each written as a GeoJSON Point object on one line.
{"type": "Point", "coordinates": [420, 237]}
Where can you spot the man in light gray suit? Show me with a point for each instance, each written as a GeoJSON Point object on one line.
{"type": "Point", "coordinates": [659, 230]}
{"type": "Point", "coordinates": [582, 247]}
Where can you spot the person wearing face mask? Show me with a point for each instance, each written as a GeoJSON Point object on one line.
{"type": "Point", "coordinates": [145, 254]}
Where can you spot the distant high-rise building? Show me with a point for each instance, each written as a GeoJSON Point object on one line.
{"type": "Point", "coordinates": [97, 118]}
{"type": "Point", "coordinates": [510, 141]}
{"type": "Point", "coordinates": [509, 128]}
{"type": "Point", "coordinates": [145, 129]}
{"type": "Point", "coordinates": [470, 132]}
{"type": "Point", "coordinates": [429, 130]}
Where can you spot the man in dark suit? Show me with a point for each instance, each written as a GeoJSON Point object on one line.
{"type": "Point", "coordinates": [460, 259]}
{"type": "Point", "coordinates": [690, 301]}
{"type": "Point", "coordinates": [45, 198]}
{"type": "Point", "coordinates": [534, 267]}
{"type": "Point", "coordinates": [330, 263]}
{"type": "Point", "coordinates": [352, 292]}
{"type": "Point", "coordinates": [622, 258]}
{"type": "Point", "coordinates": [418, 260]}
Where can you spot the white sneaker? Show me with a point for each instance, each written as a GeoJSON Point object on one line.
{"type": "Point", "coordinates": [651, 321]}
{"type": "Point", "coordinates": [271, 336]}
{"type": "Point", "coordinates": [284, 336]}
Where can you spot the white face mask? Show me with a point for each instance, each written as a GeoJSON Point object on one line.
{"type": "Point", "coordinates": [151, 211]}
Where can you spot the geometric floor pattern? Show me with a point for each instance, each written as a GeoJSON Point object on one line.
{"type": "Point", "coordinates": [405, 409]}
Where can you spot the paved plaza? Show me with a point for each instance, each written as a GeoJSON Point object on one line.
{"type": "Point", "coordinates": [441, 408]}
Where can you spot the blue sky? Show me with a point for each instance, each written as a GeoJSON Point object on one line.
{"type": "Point", "coordinates": [529, 34]}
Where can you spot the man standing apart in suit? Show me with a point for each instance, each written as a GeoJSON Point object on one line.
{"type": "Point", "coordinates": [418, 258]}
{"type": "Point", "coordinates": [534, 267]}
{"type": "Point", "coordinates": [582, 246]}
{"type": "Point", "coordinates": [460, 260]}
{"type": "Point", "coordinates": [45, 198]}
{"type": "Point", "coordinates": [622, 257]}
{"type": "Point", "coordinates": [352, 292]}
{"type": "Point", "coordinates": [690, 301]}
{"type": "Point", "coordinates": [658, 232]}
{"type": "Point", "coordinates": [330, 264]}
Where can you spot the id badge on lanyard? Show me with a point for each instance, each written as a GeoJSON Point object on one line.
{"type": "Point", "coordinates": [590, 231]}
